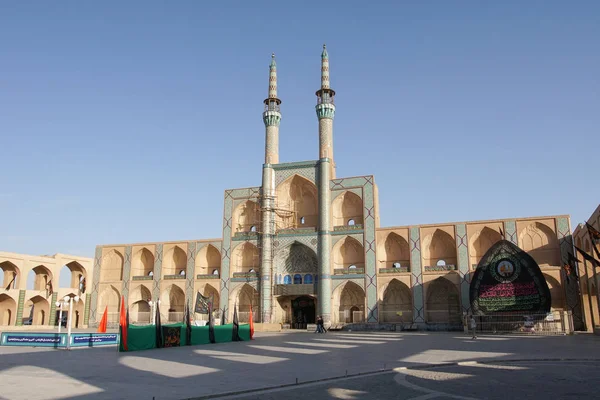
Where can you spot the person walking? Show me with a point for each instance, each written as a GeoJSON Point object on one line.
{"type": "Point", "coordinates": [473, 326]}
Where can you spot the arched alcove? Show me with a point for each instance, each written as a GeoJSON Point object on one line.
{"type": "Point", "coordinates": [438, 246]}
{"type": "Point", "coordinates": [297, 258]}
{"type": "Point", "coordinates": [481, 242]}
{"type": "Point", "coordinates": [71, 275]}
{"type": "Point", "coordinates": [111, 269]}
{"type": "Point", "coordinates": [174, 261]}
{"type": "Point", "coordinates": [109, 298]}
{"type": "Point", "coordinates": [541, 243]}
{"type": "Point", "coordinates": [41, 309]}
{"type": "Point", "coordinates": [443, 302]}
{"type": "Point", "coordinates": [296, 203]}
{"type": "Point", "coordinates": [208, 260]}
{"type": "Point", "coordinates": [397, 303]}
{"type": "Point", "coordinates": [245, 257]}
{"type": "Point", "coordinates": [557, 297]}
{"type": "Point", "coordinates": [39, 277]}
{"type": "Point", "coordinates": [139, 308]}
{"type": "Point", "coordinates": [393, 250]}
{"type": "Point", "coordinates": [173, 302]}
{"type": "Point", "coordinates": [246, 216]}
{"type": "Point", "coordinates": [10, 275]}
{"type": "Point", "coordinates": [347, 209]}
{"type": "Point", "coordinates": [348, 252]}
{"type": "Point", "coordinates": [349, 300]}
{"type": "Point", "coordinates": [142, 263]}
{"type": "Point", "coordinates": [212, 293]}
{"type": "Point", "coordinates": [247, 297]}
{"type": "Point", "coordinates": [8, 310]}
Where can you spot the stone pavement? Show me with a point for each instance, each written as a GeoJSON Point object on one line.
{"type": "Point", "coordinates": [278, 359]}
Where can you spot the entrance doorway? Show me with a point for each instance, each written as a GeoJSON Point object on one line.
{"type": "Point", "coordinates": [303, 312]}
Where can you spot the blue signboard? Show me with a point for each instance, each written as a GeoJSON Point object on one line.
{"type": "Point", "coordinates": [33, 339]}
{"type": "Point", "coordinates": [94, 339]}
{"type": "Point", "coordinates": [57, 340]}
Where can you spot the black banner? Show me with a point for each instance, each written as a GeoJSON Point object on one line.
{"type": "Point", "coordinates": [172, 336]}
{"type": "Point", "coordinates": [203, 304]}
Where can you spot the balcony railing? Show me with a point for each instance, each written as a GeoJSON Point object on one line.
{"type": "Point", "coordinates": [355, 227]}
{"type": "Point", "coordinates": [393, 270]}
{"type": "Point", "coordinates": [176, 276]}
{"type": "Point", "coordinates": [207, 276]}
{"type": "Point", "coordinates": [245, 234]}
{"type": "Point", "coordinates": [348, 271]}
{"type": "Point", "coordinates": [299, 229]}
{"type": "Point", "coordinates": [439, 268]}
{"type": "Point", "coordinates": [245, 274]}
{"type": "Point", "coordinates": [295, 290]}
{"type": "Point", "coordinates": [142, 278]}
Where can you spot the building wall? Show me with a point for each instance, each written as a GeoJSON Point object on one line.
{"type": "Point", "coordinates": [37, 283]}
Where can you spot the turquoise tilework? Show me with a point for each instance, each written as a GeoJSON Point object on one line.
{"type": "Point", "coordinates": [190, 273]}
{"type": "Point", "coordinates": [417, 274]}
{"type": "Point", "coordinates": [95, 284]}
{"type": "Point", "coordinates": [158, 257]}
{"type": "Point", "coordinates": [462, 249]}
{"type": "Point", "coordinates": [126, 273]}
{"type": "Point", "coordinates": [510, 232]}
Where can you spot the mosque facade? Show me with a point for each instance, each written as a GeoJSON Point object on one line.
{"type": "Point", "coordinates": [307, 243]}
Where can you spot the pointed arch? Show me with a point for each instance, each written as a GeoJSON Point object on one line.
{"type": "Point", "coordinates": [174, 261]}
{"type": "Point", "coordinates": [142, 263]}
{"type": "Point", "coordinates": [211, 292]}
{"type": "Point", "coordinates": [349, 303]}
{"type": "Point", "coordinates": [139, 306]}
{"type": "Point", "coordinates": [11, 275]}
{"type": "Point", "coordinates": [71, 275]}
{"type": "Point", "coordinates": [40, 309]}
{"type": "Point", "coordinates": [348, 252]}
{"type": "Point", "coordinates": [173, 303]}
{"type": "Point", "coordinates": [347, 209]}
{"type": "Point", "coordinates": [392, 251]}
{"type": "Point", "coordinates": [296, 203]}
{"type": "Point", "coordinates": [297, 258]}
{"type": "Point", "coordinates": [39, 278]}
{"type": "Point", "coordinates": [109, 298]}
{"type": "Point", "coordinates": [557, 298]}
{"type": "Point", "coordinates": [437, 247]}
{"type": "Point", "coordinates": [8, 310]}
{"type": "Point", "coordinates": [443, 302]}
{"type": "Point", "coordinates": [396, 305]}
{"type": "Point", "coordinates": [481, 242]}
{"type": "Point", "coordinates": [540, 242]}
{"type": "Point", "coordinates": [246, 216]}
{"type": "Point", "coordinates": [111, 269]}
{"type": "Point", "coordinates": [208, 260]}
{"type": "Point", "coordinates": [245, 257]}
{"type": "Point", "coordinates": [248, 297]}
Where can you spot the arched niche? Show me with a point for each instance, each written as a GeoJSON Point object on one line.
{"type": "Point", "coordinates": [245, 257]}
{"type": "Point", "coordinates": [392, 251]}
{"type": "Point", "coordinates": [37, 310]}
{"type": "Point", "coordinates": [396, 305]}
{"type": "Point", "coordinates": [208, 260]}
{"type": "Point", "coordinates": [246, 216]}
{"type": "Point", "coordinates": [139, 306]}
{"type": "Point", "coordinates": [10, 275]}
{"type": "Point", "coordinates": [72, 275]}
{"type": "Point", "coordinates": [39, 278]}
{"type": "Point", "coordinates": [349, 303]}
{"type": "Point", "coordinates": [439, 246]}
{"type": "Point", "coordinates": [481, 242]}
{"type": "Point", "coordinates": [557, 297]}
{"type": "Point", "coordinates": [443, 302]}
{"type": "Point", "coordinates": [296, 203]}
{"type": "Point", "coordinates": [212, 293]}
{"type": "Point", "coordinates": [110, 299]}
{"type": "Point", "coordinates": [541, 243]}
{"type": "Point", "coordinates": [248, 297]}
{"type": "Point", "coordinates": [347, 209]}
{"type": "Point", "coordinates": [8, 310]}
{"type": "Point", "coordinates": [297, 258]}
{"type": "Point", "coordinates": [111, 269]}
{"type": "Point", "coordinates": [173, 303]}
{"type": "Point", "coordinates": [142, 263]}
{"type": "Point", "coordinates": [174, 261]}
{"type": "Point", "coordinates": [348, 253]}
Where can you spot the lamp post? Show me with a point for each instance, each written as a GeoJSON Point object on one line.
{"type": "Point", "coordinates": [70, 300]}
{"type": "Point", "coordinates": [59, 304]}
{"type": "Point", "coordinates": [152, 305]}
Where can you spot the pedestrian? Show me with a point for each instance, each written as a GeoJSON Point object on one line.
{"type": "Point", "coordinates": [473, 326]}
{"type": "Point", "coordinates": [319, 325]}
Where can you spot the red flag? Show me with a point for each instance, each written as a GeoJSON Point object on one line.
{"type": "Point", "coordinates": [251, 323]}
{"type": "Point", "coordinates": [123, 324]}
{"type": "Point", "coordinates": [103, 321]}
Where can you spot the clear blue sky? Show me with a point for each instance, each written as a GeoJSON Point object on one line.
{"type": "Point", "coordinates": [125, 121]}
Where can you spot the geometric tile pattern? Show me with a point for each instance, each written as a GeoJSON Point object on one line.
{"type": "Point", "coordinates": [367, 185]}
{"type": "Point", "coordinates": [95, 284]}
{"type": "Point", "coordinates": [126, 273]}
{"type": "Point", "coordinates": [158, 256]}
{"type": "Point", "coordinates": [20, 306]}
{"type": "Point", "coordinates": [510, 232]}
{"type": "Point", "coordinates": [86, 314]}
{"type": "Point", "coordinates": [53, 309]}
{"type": "Point", "coordinates": [416, 274]}
{"type": "Point", "coordinates": [462, 250]}
{"type": "Point", "coordinates": [572, 294]}
{"type": "Point", "coordinates": [306, 170]}
{"type": "Point", "coordinates": [335, 283]}
{"type": "Point", "coordinates": [189, 273]}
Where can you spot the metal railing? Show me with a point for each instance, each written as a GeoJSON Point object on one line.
{"type": "Point", "coordinates": [396, 316]}
{"type": "Point", "coordinates": [552, 323]}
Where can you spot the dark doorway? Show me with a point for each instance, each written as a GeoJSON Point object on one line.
{"type": "Point", "coordinates": [303, 312]}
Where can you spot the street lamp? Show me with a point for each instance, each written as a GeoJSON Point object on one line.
{"type": "Point", "coordinates": [153, 304]}
{"type": "Point", "coordinates": [59, 304]}
{"type": "Point", "coordinates": [67, 300]}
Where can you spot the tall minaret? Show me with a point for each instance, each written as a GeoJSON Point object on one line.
{"type": "Point", "coordinates": [325, 112]}
{"type": "Point", "coordinates": [271, 118]}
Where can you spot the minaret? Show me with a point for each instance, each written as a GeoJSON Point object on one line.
{"type": "Point", "coordinates": [271, 118]}
{"type": "Point", "coordinates": [325, 112]}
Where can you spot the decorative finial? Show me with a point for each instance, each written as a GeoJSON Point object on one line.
{"type": "Point", "coordinates": [273, 78]}
{"type": "Point", "coordinates": [324, 53]}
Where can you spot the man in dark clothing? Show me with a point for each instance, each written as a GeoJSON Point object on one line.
{"type": "Point", "coordinates": [320, 327]}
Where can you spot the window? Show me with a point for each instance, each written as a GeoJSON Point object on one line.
{"type": "Point", "coordinates": [352, 266]}
{"type": "Point", "coordinates": [302, 220]}
{"type": "Point", "coordinates": [316, 278]}
{"type": "Point", "coordinates": [150, 273]}
{"type": "Point", "coordinates": [215, 272]}
{"type": "Point", "coordinates": [252, 270]}
{"type": "Point", "coordinates": [287, 280]}
{"type": "Point", "coordinates": [308, 279]}
{"type": "Point", "coordinates": [182, 273]}
{"type": "Point", "coordinates": [396, 265]}
{"type": "Point", "coordinates": [297, 279]}
{"type": "Point", "coordinates": [351, 222]}
{"type": "Point", "coordinates": [441, 263]}
{"type": "Point", "coordinates": [253, 228]}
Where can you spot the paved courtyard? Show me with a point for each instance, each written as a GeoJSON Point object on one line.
{"type": "Point", "coordinates": [379, 365]}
